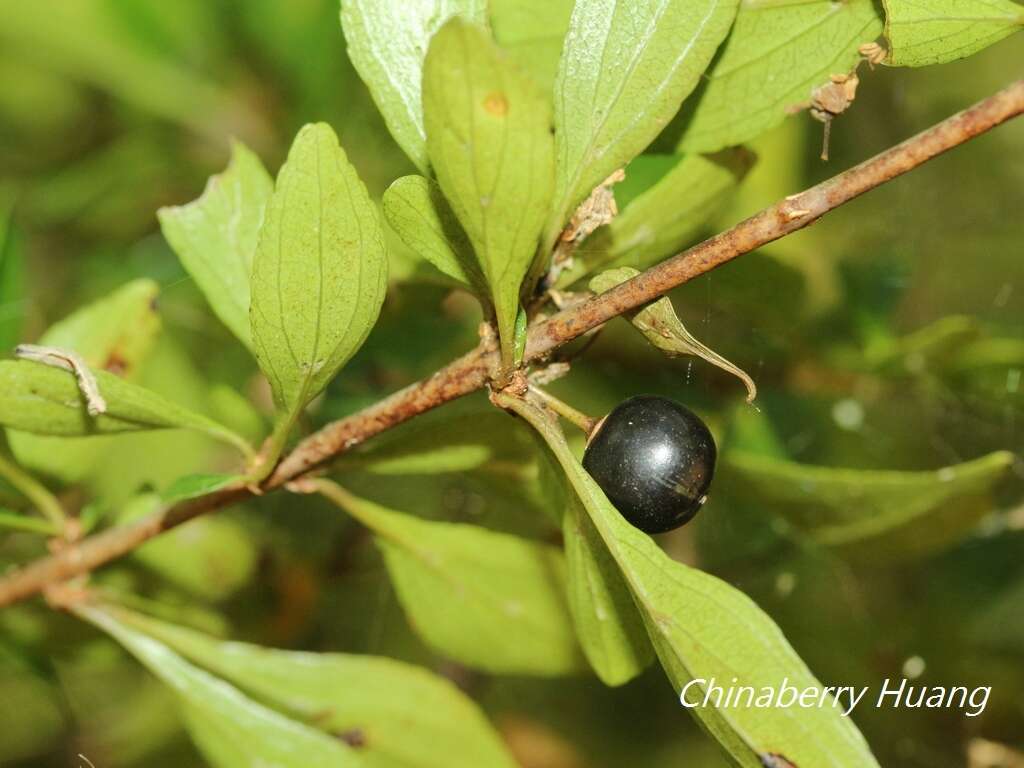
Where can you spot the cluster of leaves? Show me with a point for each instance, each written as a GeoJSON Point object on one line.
{"type": "Point", "coordinates": [517, 117]}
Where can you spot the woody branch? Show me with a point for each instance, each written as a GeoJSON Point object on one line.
{"type": "Point", "coordinates": [474, 370]}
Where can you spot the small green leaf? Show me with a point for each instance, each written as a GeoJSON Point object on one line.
{"type": "Point", "coordinates": [319, 273]}
{"type": "Point", "coordinates": [13, 300]}
{"type": "Point", "coordinates": [923, 32]}
{"type": "Point", "coordinates": [194, 486]}
{"type": "Point", "coordinates": [45, 400]}
{"type": "Point", "coordinates": [876, 514]}
{"type": "Point", "coordinates": [519, 345]}
{"type": "Point", "coordinates": [663, 218]}
{"type": "Point", "coordinates": [229, 728]}
{"type": "Point", "coordinates": [488, 135]}
{"type": "Point", "coordinates": [215, 236]}
{"type": "Point", "coordinates": [702, 628]}
{"type": "Point", "coordinates": [625, 70]}
{"type": "Point", "coordinates": [776, 55]}
{"type": "Point", "coordinates": [416, 209]}
{"type": "Point", "coordinates": [608, 625]}
{"type": "Point", "coordinates": [661, 326]}
{"type": "Point", "coordinates": [211, 557]}
{"type": "Point", "coordinates": [532, 31]}
{"type": "Point", "coordinates": [387, 44]}
{"type": "Point", "coordinates": [404, 716]}
{"type": "Point", "coordinates": [489, 600]}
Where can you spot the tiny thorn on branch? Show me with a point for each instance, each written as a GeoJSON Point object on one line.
{"type": "Point", "coordinates": [473, 370]}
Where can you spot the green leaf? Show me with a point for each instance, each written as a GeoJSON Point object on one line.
{"type": "Point", "coordinates": [874, 514]}
{"type": "Point", "coordinates": [387, 44]}
{"type": "Point", "coordinates": [777, 54]}
{"type": "Point", "coordinates": [923, 32]}
{"type": "Point", "coordinates": [663, 329]}
{"type": "Point", "coordinates": [156, 459]}
{"type": "Point", "coordinates": [488, 600]}
{"type": "Point", "coordinates": [211, 557]}
{"type": "Point", "coordinates": [416, 209]}
{"type": "Point", "coordinates": [320, 270]}
{"type": "Point", "coordinates": [12, 280]}
{"type": "Point", "coordinates": [115, 333]}
{"type": "Point", "coordinates": [665, 217]}
{"type": "Point", "coordinates": [488, 135]}
{"type": "Point", "coordinates": [608, 625]}
{"type": "Point", "coordinates": [702, 628]}
{"type": "Point", "coordinates": [462, 436]}
{"type": "Point", "coordinates": [215, 236]}
{"type": "Point", "coordinates": [533, 31]}
{"type": "Point", "coordinates": [404, 716]}
{"type": "Point", "coordinates": [229, 728]}
{"type": "Point", "coordinates": [194, 486]}
{"type": "Point", "coordinates": [45, 400]}
{"type": "Point", "coordinates": [625, 70]}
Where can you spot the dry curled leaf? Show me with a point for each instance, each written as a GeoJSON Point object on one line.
{"type": "Point", "coordinates": [596, 211]}
{"type": "Point", "coordinates": [873, 53]}
{"type": "Point", "coordinates": [660, 324]}
{"type": "Point", "coordinates": [831, 99]}
{"type": "Point", "coordinates": [834, 97]}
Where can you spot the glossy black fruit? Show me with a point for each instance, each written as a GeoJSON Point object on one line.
{"type": "Point", "coordinates": [654, 459]}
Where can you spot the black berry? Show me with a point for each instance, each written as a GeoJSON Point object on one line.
{"type": "Point", "coordinates": [654, 459]}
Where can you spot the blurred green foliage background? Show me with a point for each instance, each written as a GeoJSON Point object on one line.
{"type": "Point", "coordinates": [888, 336]}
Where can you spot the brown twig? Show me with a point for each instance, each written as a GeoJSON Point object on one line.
{"type": "Point", "coordinates": [473, 370]}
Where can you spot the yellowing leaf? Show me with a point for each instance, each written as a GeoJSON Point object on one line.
{"type": "Point", "coordinates": [488, 135]}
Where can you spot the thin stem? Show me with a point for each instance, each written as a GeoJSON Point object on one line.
{"type": "Point", "coordinates": [263, 463]}
{"type": "Point", "coordinates": [476, 368]}
{"type": "Point", "coordinates": [44, 501]}
{"type": "Point", "coordinates": [17, 522]}
{"type": "Point", "coordinates": [566, 411]}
